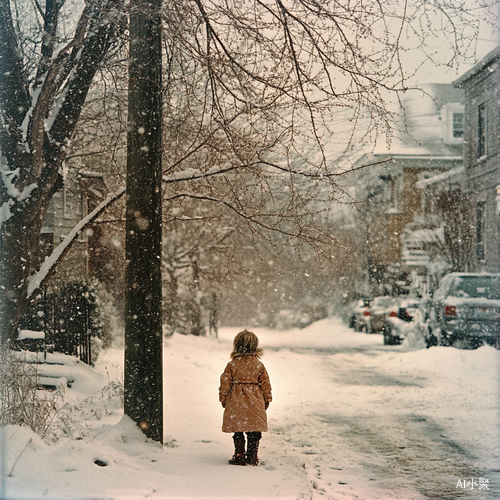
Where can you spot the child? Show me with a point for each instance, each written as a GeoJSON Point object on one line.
{"type": "Point", "coordinates": [245, 394]}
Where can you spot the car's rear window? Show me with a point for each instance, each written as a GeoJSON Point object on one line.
{"type": "Point", "coordinates": [475, 287]}
{"type": "Point", "coordinates": [382, 302]}
{"type": "Point", "coordinates": [412, 305]}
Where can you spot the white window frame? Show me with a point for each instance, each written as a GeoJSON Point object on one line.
{"type": "Point", "coordinates": [447, 119]}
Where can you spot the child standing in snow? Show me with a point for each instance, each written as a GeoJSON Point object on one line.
{"type": "Point", "coordinates": [245, 394]}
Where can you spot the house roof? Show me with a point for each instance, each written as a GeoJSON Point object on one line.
{"type": "Point", "coordinates": [452, 175]}
{"type": "Point", "coordinates": [420, 131]}
{"type": "Point", "coordinates": [486, 61]}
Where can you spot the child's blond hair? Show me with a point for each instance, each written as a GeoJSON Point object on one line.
{"type": "Point", "coordinates": [246, 344]}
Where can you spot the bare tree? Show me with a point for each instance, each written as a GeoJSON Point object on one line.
{"type": "Point", "coordinates": [43, 86]}
{"type": "Point", "coordinates": [253, 88]}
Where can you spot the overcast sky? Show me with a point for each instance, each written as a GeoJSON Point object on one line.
{"type": "Point", "coordinates": [489, 38]}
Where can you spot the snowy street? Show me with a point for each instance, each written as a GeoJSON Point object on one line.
{"type": "Point", "coordinates": [351, 418]}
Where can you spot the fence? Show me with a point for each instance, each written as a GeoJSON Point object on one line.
{"type": "Point", "coordinates": [66, 317]}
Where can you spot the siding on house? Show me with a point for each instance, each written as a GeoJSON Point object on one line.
{"type": "Point", "coordinates": [67, 212]}
{"type": "Point", "coordinates": [73, 202]}
{"type": "Point", "coordinates": [481, 85]}
{"type": "Point", "coordinates": [442, 229]}
{"type": "Point", "coordinates": [391, 213]}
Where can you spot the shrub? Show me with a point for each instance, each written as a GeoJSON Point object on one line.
{"type": "Point", "coordinates": [22, 403]}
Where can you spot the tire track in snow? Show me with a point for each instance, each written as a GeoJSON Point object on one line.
{"type": "Point", "coordinates": [393, 450]}
{"type": "Point", "coordinates": [411, 452]}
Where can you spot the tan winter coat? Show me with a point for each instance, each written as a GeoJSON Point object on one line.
{"type": "Point", "coordinates": [244, 390]}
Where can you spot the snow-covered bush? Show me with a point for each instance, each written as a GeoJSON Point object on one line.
{"type": "Point", "coordinates": [76, 420]}
{"type": "Point", "coordinates": [22, 403]}
{"type": "Point", "coordinates": [286, 319]}
{"type": "Point", "coordinates": [414, 333]}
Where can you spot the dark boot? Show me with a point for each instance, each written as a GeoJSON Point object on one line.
{"type": "Point", "coordinates": [253, 448]}
{"type": "Point", "coordinates": [239, 449]}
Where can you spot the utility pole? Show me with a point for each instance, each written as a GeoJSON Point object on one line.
{"type": "Point", "coordinates": [143, 319]}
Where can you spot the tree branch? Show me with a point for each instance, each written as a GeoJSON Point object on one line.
{"type": "Point", "coordinates": [302, 233]}
{"type": "Point", "coordinates": [14, 96]}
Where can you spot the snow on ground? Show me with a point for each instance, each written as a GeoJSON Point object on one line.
{"type": "Point", "coordinates": [351, 418]}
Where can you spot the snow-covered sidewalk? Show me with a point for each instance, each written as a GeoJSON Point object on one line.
{"type": "Point", "coordinates": [351, 418]}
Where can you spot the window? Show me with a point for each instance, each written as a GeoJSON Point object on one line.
{"type": "Point", "coordinates": [481, 131]}
{"type": "Point", "coordinates": [443, 288]}
{"type": "Point", "coordinates": [476, 287]}
{"type": "Point", "coordinates": [391, 192]}
{"type": "Point", "coordinates": [480, 230]}
{"type": "Point", "coordinates": [458, 125]}
{"type": "Point", "coordinates": [452, 119]}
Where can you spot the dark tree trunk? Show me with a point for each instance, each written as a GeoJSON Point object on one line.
{"type": "Point", "coordinates": [17, 241]}
{"type": "Point", "coordinates": [143, 319]}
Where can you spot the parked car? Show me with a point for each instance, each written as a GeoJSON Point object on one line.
{"type": "Point", "coordinates": [464, 309]}
{"type": "Point", "coordinates": [360, 315]}
{"type": "Point", "coordinates": [407, 309]}
{"type": "Point", "coordinates": [402, 312]}
{"type": "Point", "coordinates": [381, 309]}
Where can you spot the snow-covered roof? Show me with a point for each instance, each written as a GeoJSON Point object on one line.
{"type": "Point", "coordinates": [417, 237]}
{"type": "Point", "coordinates": [451, 175]}
{"type": "Point", "coordinates": [417, 156]}
{"type": "Point", "coordinates": [486, 61]}
{"type": "Point", "coordinates": [421, 128]}
{"type": "Point", "coordinates": [30, 334]}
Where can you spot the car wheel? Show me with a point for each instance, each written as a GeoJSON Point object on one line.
{"type": "Point", "coordinates": [468, 343]}
{"type": "Point", "coordinates": [388, 339]}
{"type": "Point", "coordinates": [430, 339]}
{"type": "Point", "coordinates": [445, 341]}
{"type": "Point", "coordinates": [476, 343]}
{"type": "Point", "coordinates": [460, 343]}
{"type": "Point", "coordinates": [352, 322]}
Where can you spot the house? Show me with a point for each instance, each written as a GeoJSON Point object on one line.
{"type": "Point", "coordinates": [79, 194]}
{"type": "Point", "coordinates": [93, 169]}
{"type": "Point", "coordinates": [441, 230]}
{"type": "Point", "coordinates": [481, 86]}
{"type": "Point", "coordinates": [429, 141]}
